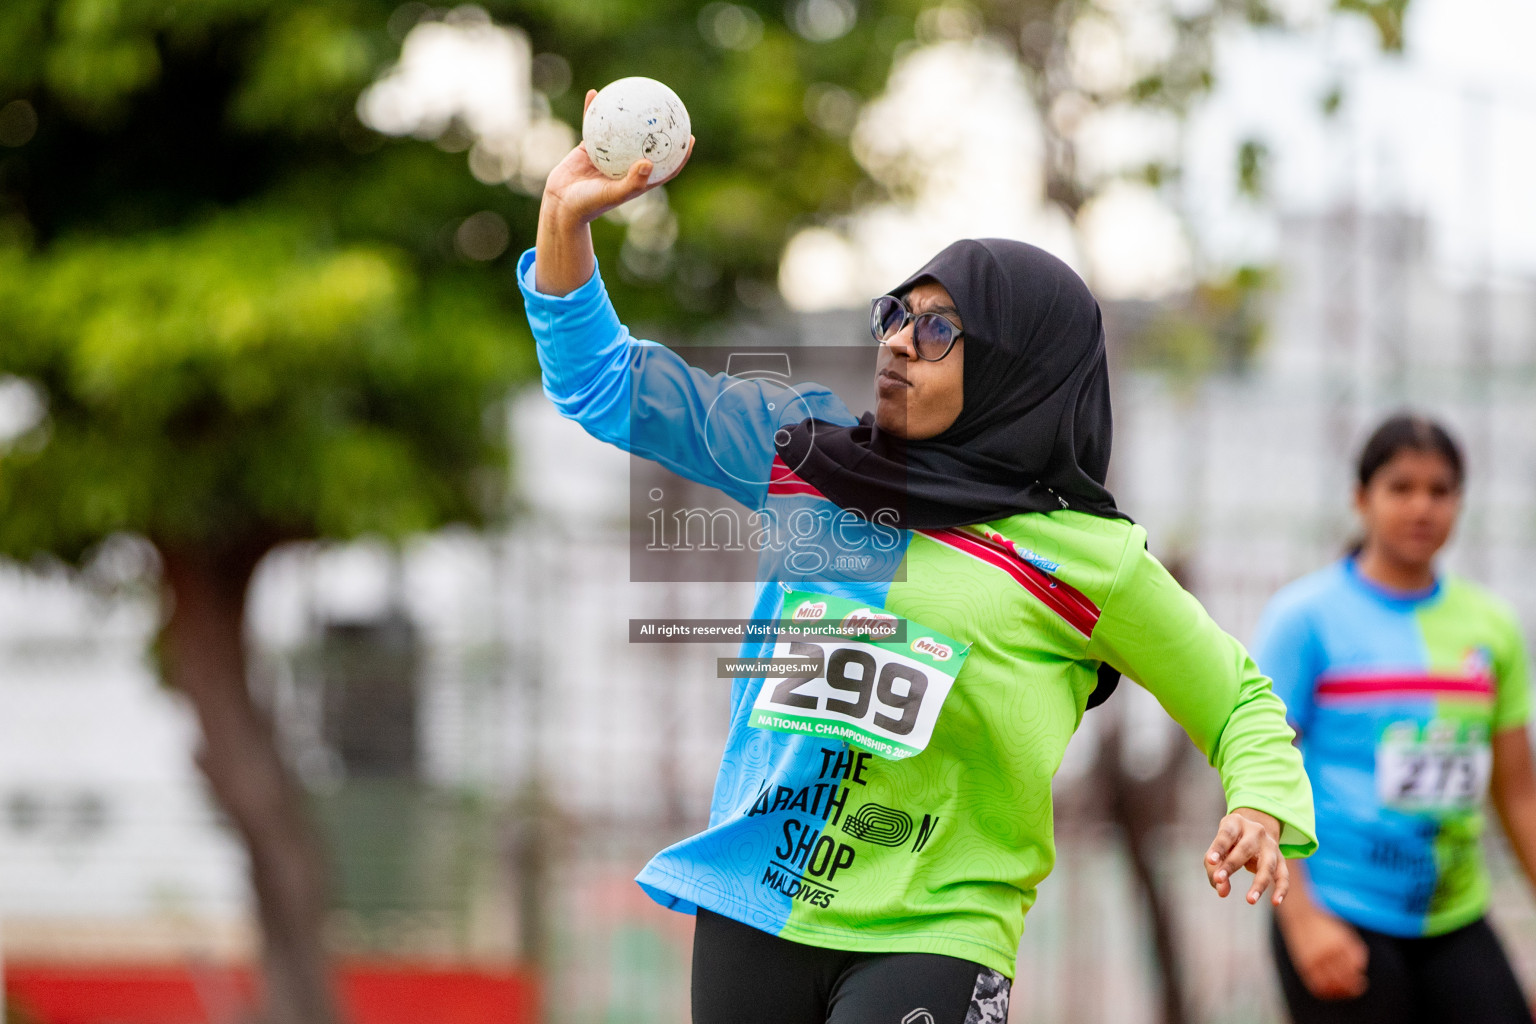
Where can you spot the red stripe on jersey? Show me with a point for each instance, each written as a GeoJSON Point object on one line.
{"type": "Point", "coordinates": [1068, 602]}
{"type": "Point", "coordinates": [782, 480]}
{"type": "Point", "coordinates": [1342, 686]}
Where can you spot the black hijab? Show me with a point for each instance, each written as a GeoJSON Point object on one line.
{"type": "Point", "coordinates": [1033, 433]}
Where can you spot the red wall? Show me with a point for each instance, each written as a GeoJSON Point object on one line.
{"type": "Point", "coordinates": [371, 994]}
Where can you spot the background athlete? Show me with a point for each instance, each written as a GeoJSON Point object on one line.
{"type": "Point", "coordinates": [832, 884]}
{"type": "Point", "coordinates": [1410, 691]}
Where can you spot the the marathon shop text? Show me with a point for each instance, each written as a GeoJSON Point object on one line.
{"type": "Point", "coordinates": [807, 860]}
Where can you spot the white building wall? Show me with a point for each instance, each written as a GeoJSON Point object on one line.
{"type": "Point", "coordinates": [104, 824]}
{"type": "Point", "coordinates": [1249, 478]}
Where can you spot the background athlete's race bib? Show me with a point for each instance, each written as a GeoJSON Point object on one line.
{"type": "Point", "coordinates": [881, 695]}
{"type": "Point", "coordinates": [1433, 774]}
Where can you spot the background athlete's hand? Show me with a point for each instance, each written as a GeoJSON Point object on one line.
{"type": "Point", "coordinates": [1329, 955]}
{"type": "Point", "coordinates": [1248, 839]}
{"type": "Point", "coordinates": [582, 192]}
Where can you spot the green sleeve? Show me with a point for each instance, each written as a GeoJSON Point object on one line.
{"type": "Point", "coordinates": [1155, 632]}
{"type": "Point", "coordinates": [1512, 680]}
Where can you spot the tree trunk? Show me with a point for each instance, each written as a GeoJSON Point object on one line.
{"type": "Point", "coordinates": [205, 658]}
{"type": "Point", "coordinates": [1138, 840]}
{"type": "Point", "coordinates": [1138, 807]}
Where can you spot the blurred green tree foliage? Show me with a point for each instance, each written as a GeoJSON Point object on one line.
{"type": "Point", "coordinates": [235, 316]}
{"type": "Point", "coordinates": [240, 319]}
{"type": "Point", "coordinates": [772, 88]}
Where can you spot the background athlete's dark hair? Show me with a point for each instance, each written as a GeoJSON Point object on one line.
{"type": "Point", "coordinates": [1408, 432]}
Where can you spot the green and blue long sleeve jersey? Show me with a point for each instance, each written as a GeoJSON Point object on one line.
{"type": "Point", "coordinates": [817, 837]}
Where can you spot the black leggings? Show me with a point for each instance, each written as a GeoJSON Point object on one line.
{"type": "Point", "coordinates": [1461, 977]}
{"type": "Point", "coordinates": [745, 976]}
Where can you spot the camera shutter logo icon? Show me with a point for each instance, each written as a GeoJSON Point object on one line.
{"type": "Point", "coordinates": [760, 376]}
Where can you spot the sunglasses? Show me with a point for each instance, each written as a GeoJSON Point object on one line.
{"type": "Point", "coordinates": [933, 334]}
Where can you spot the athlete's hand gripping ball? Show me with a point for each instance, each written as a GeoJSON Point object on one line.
{"type": "Point", "coordinates": [583, 192]}
{"type": "Point", "coordinates": [632, 119]}
{"type": "Point", "coordinates": [1250, 839]}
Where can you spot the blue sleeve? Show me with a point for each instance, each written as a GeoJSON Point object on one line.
{"type": "Point", "coordinates": [1287, 650]}
{"type": "Point", "coordinates": [643, 397]}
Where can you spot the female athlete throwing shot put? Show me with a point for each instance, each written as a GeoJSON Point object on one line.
{"type": "Point", "coordinates": [882, 817]}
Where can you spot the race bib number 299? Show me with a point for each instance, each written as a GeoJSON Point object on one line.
{"type": "Point", "coordinates": [859, 683]}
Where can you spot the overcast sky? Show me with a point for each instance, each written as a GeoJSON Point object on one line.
{"type": "Point", "coordinates": [1447, 130]}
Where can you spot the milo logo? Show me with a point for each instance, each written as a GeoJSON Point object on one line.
{"type": "Point", "coordinates": [1478, 663]}
{"type": "Point", "coordinates": [810, 611]}
{"type": "Point", "coordinates": [867, 620]}
{"type": "Point", "coordinates": [932, 648]}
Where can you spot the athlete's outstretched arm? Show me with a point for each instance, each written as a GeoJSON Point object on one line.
{"type": "Point", "coordinates": [640, 396]}
{"type": "Point", "coordinates": [1155, 632]}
